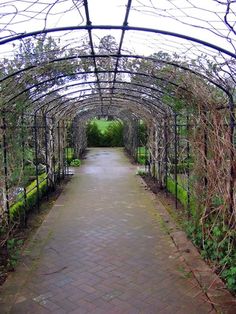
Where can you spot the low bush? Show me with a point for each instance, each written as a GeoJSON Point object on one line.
{"type": "Point", "coordinates": [75, 163]}
{"type": "Point", "coordinates": [69, 152]}
{"type": "Point", "coordinates": [20, 207]}
{"type": "Point", "coordinates": [182, 194]}
{"type": "Point", "coordinates": [219, 248]}
{"type": "Point", "coordinates": [141, 155]}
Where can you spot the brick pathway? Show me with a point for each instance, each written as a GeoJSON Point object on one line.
{"type": "Point", "coordinates": [102, 249]}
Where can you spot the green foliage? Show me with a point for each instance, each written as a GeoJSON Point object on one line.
{"type": "Point", "coordinates": [113, 136]}
{"type": "Point", "coordinates": [142, 133]}
{"type": "Point", "coordinates": [230, 277]}
{"type": "Point", "coordinates": [19, 208]}
{"type": "Point", "coordinates": [105, 134]}
{"type": "Point", "coordinates": [103, 124]}
{"type": "Point", "coordinates": [217, 244]}
{"type": "Point", "coordinates": [182, 194]}
{"type": "Point", "coordinates": [75, 163]}
{"type": "Point", "coordinates": [141, 155]}
{"type": "Point", "coordinates": [69, 154]}
{"type": "Point", "coordinates": [218, 247]}
{"type": "Point", "coordinates": [93, 134]}
{"type": "Point", "coordinates": [13, 249]}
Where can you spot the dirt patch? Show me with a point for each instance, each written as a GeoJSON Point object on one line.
{"type": "Point", "coordinates": [22, 235]}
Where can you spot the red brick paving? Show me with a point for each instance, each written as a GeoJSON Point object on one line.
{"type": "Point", "coordinates": [102, 250]}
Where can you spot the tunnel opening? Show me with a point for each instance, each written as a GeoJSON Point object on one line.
{"type": "Point", "coordinates": [57, 77]}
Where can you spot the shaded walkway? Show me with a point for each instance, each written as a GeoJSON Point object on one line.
{"type": "Point", "coordinates": [102, 249]}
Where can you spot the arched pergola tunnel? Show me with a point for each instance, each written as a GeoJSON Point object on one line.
{"type": "Point", "coordinates": [60, 67]}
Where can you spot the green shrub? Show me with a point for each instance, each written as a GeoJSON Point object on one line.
{"type": "Point", "coordinates": [142, 133]}
{"type": "Point", "coordinates": [109, 135]}
{"type": "Point", "coordinates": [229, 275]}
{"type": "Point", "coordinates": [94, 135]}
{"type": "Point", "coordinates": [141, 160]}
{"type": "Point", "coordinates": [19, 208]}
{"type": "Point", "coordinates": [69, 155]}
{"type": "Point", "coordinates": [141, 155]}
{"type": "Point", "coordinates": [13, 249]}
{"type": "Point", "coordinates": [113, 136]}
{"type": "Point", "coordinates": [217, 244]}
{"type": "Point", "coordinates": [182, 194]}
{"type": "Point", "coordinates": [75, 163]}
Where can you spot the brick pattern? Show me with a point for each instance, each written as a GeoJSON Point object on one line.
{"type": "Point", "coordinates": [102, 249]}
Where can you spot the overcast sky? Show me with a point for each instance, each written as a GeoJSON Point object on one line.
{"type": "Point", "coordinates": [157, 14]}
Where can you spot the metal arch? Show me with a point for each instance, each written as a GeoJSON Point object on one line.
{"type": "Point", "coordinates": [94, 100]}
{"type": "Point", "coordinates": [116, 112]}
{"type": "Point", "coordinates": [83, 97]}
{"type": "Point", "coordinates": [154, 60]}
{"type": "Point", "coordinates": [134, 106]}
{"type": "Point", "coordinates": [103, 88]}
{"type": "Point", "coordinates": [86, 82]}
{"type": "Point", "coordinates": [90, 108]}
{"type": "Point", "coordinates": [147, 101]}
{"type": "Point", "coordinates": [122, 28]}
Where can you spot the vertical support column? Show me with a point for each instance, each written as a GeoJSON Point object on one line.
{"type": "Point", "coordinates": [150, 150]}
{"type": "Point", "coordinates": [137, 141]}
{"type": "Point", "coordinates": [205, 149]}
{"type": "Point", "coordinates": [165, 152]}
{"type": "Point", "coordinates": [36, 157]}
{"type": "Point", "coordinates": [176, 159]}
{"type": "Point", "coordinates": [5, 165]}
{"type": "Point", "coordinates": [138, 136]}
{"type": "Point", "coordinates": [53, 153]}
{"type": "Point", "coordinates": [59, 151]}
{"type": "Point", "coordinates": [23, 166]}
{"type": "Point", "coordinates": [146, 150]}
{"type": "Point", "coordinates": [63, 149]}
{"type": "Point", "coordinates": [66, 150]}
{"type": "Point", "coordinates": [232, 157]}
{"type": "Point", "coordinates": [154, 152]}
{"type": "Point", "coordinates": [188, 166]}
{"type": "Point", "coordinates": [159, 158]}
{"type": "Point", "coordinates": [46, 153]}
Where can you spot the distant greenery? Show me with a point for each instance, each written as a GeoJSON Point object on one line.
{"type": "Point", "coordinates": [142, 133]}
{"type": "Point", "coordinates": [141, 155]}
{"type": "Point", "coordinates": [103, 124]}
{"type": "Point", "coordinates": [103, 133]}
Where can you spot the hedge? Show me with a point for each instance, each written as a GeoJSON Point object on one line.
{"type": "Point", "coordinates": [20, 207]}
{"type": "Point", "coordinates": [182, 194]}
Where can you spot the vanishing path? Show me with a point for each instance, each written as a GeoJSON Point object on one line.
{"type": "Point", "coordinates": [102, 249]}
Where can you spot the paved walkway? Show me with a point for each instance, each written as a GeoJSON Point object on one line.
{"type": "Point", "coordinates": [102, 249]}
